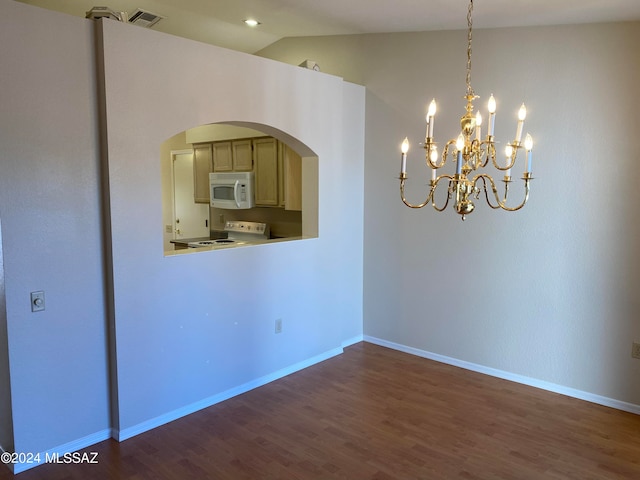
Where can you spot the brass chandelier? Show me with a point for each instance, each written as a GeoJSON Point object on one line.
{"type": "Point", "coordinates": [470, 153]}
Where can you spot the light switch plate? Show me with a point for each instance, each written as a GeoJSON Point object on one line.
{"type": "Point", "coordinates": [37, 301]}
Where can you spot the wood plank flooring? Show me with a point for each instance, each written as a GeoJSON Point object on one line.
{"type": "Point", "coordinates": [374, 413]}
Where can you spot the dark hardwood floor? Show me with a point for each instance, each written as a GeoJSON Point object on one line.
{"type": "Point", "coordinates": [374, 413]}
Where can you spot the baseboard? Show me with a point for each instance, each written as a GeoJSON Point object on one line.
{"type": "Point", "coordinates": [352, 341]}
{"type": "Point", "coordinates": [60, 451]}
{"type": "Point", "coordinates": [145, 426]}
{"type": "Point", "coordinates": [532, 382]}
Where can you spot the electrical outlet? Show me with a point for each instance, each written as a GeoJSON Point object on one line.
{"type": "Point", "coordinates": [168, 228]}
{"type": "Point", "coordinates": [279, 325]}
{"type": "Point", "coordinates": [635, 350]}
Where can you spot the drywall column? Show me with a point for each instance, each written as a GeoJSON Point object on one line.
{"type": "Point", "coordinates": [6, 417]}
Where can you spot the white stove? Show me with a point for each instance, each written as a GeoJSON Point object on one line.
{"type": "Point", "coordinates": [238, 233]}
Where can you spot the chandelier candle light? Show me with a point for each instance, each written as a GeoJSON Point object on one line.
{"type": "Point", "coordinates": [470, 154]}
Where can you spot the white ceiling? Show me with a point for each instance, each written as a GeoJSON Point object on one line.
{"type": "Point", "coordinates": [220, 21]}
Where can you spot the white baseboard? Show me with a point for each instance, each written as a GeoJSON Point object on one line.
{"type": "Point", "coordinates": [145, 426]}
{"type": "Point", "coordinates": [551, 387]}
{"type": "Point", "coordinates": [59, 451]}
{"type": "Point", "coordinates": [352, 341]}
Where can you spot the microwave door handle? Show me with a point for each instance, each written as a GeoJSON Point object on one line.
{"type": "Point", "coordinates": [235, 193]}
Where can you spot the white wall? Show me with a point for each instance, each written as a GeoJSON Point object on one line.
{"type": "Point", "coordinates": [51, 230]}
{"type": "Point", "coordinates": [193, 329]}
{"type": "Point", "coordinates": [547, 293]}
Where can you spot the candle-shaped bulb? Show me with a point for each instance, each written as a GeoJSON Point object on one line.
{"type": "Point", "coordinates": [433, 156]}
{"type": "Point", "coordinates": [430, 118]}
{"type": "Point", "coordinates": [528, 145]}
{"type": "Point", "coordinates": [432, 108]}
{"type": "Point", "coordinates": [492, 115]}
{"type": "Point", "coordinates": [522, 113]}
{"type": "Point", "coordinates": [528, 142]}
{"type": "Point", "coordinates": [459, 146]}
{"type": "Point", "coordinates": [478, 119]}
{"type": "Point", "coordinates": [508, 151]}
{"type": "Point", "coordinates": [405, 146]}
{"type": "Point", "coordinates": [491, 105]}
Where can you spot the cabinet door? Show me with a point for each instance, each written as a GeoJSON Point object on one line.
{"type": "Point", "coordinates": [292, 179]}
{"type": "Point", "coordinates": [222, 157]}
{"type": "Point", "coordinates": [201, 167]}
{"type": "Point", "coordinates": [265, 156]}
{"type": "Point", "coordinates": [242, 155]}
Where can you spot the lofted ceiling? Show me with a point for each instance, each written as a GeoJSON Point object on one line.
{"type": "Point", "coordinates": [220, 22]}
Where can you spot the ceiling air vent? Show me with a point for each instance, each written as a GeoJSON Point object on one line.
{"type": "Point", "coordinates": [144, 19]}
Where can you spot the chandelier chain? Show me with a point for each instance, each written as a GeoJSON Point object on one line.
{"type": "Point", "coordinates": [469, 39]}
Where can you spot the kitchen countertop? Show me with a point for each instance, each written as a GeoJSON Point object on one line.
{"type": "Point", "coordinates": [213, 247]}
{"type": "Point", "coordinates": [214, 235]}
{"type": "Point", "coordinates": [186, 241]}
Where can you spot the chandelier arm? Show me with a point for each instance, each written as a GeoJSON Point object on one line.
{"type": "Point", "coordinates": [428, 147]}
{"type": "Point", "coordinates": [449, 193]}
{"type": "Point", "coordinates": [486, 192]}
{"type": "Point", "coordinates": [445, 152]}
{"type": "Point", "coordinates": [411, 205]}
{"type": "Point", "coordinates": [488, 153]}
{"type": "Point", "coordinates": [514, 153]}
{"type": "Point", "coordinates": [526, 177]}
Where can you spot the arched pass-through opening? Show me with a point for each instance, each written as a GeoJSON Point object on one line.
{"type": "Point", "coordinates": [284, 180]}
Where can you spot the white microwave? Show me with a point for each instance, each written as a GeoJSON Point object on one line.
{"type": "Point", "coordinates": [232, 190]}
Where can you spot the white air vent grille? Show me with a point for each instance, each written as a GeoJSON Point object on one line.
{"type": "Point", "coordinates": [144, 19]}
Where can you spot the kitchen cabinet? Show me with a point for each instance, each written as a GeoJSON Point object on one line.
{"type": "Point", "coordinates": [242, 155]}
{"type": "Point", "coordinates": [265, 157]}
{"type": "Point", "coordinates": [277, 168]}
{"type": "Point", "coordinates": [232, 156]}
{"type": "Point", "coordinates": [202, 165]}
{"type": "Point", "coordinates": [222, 157]}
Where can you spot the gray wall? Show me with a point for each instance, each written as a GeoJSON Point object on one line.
{"type": "Point", "coordinates": [51, 230]}
{"type": "Point", "coordinates": [547, 294]}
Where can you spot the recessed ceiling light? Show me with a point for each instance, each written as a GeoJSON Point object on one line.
{"type": "Point", "coordinates": [251, 22]}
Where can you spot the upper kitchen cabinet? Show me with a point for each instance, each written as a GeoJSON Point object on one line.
{"type": "Point", "coordinates": [242, 155]}
{"type": "Point", "coordinates": [278, 174]}
{"type": "Point", "coordinates": [277, 168]}
{"type": "Point", "coordinates": [222, 157]}
{"type": "Point", "coordinates": [265, 156]}
{"type": "Point", "coordinates": [232, 156]}
{"type": "Point", "coordinates": [202, 165]}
